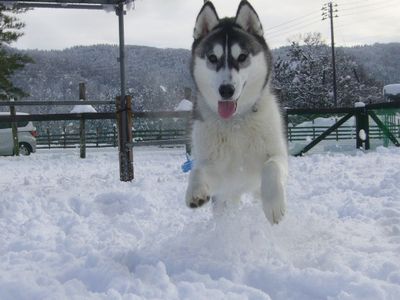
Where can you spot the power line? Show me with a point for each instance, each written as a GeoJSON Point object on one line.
{"type": "Point", "coordinates": [352, 3]}
{"type": "Point", "coordinates": [276, 34]}
{"type": "Point", "coordinates": [362, 11]}
{"type": "Point", "coordinates": [372, 5]}
{"type": "Point", "coordinates": [306, 16]}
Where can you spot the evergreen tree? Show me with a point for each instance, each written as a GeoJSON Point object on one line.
{"type": "Point", "coordinates": [10, 31]}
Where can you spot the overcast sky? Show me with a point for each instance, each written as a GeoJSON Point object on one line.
{"type": "Point", "coordinates": [169, 23]}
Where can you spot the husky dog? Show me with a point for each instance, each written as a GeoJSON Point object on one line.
{"type": "Point", "coordinates": [237, 138]}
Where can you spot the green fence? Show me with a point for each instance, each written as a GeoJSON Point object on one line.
{"type": "Point", "coordinates": [376, 122]}
{"type": "Point", "coordinates": [361, 124]}
{"type": "Point", "coordinates": [101, 138]}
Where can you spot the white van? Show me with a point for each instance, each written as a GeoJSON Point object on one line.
{"type": "Point", "coordinates": [26, 137]}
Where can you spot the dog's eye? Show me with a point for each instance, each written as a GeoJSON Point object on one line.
{"type": "Point", "coordinates": [242, 57]}
{"type": "Point", "coordinates": [212, 58]}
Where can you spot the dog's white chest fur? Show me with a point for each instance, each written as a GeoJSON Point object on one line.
{"type": "Point", "coordinates": [245, 154]}
{"type": "Point", "coordinates": [233, 151]}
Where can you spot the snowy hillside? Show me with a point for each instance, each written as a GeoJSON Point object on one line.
{"type": "Point", "coordinates": [69, 229]}
{"type": "Point", "coordinates": [55, 75]}
{"type": "Point", "coordinates": [156, 78]}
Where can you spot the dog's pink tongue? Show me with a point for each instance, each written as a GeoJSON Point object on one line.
{"type": "Point", "coordinates": [226, 109]}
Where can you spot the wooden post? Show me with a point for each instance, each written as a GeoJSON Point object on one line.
{"type": "Point", "coordinates": [125, 146]}
{"type": "Point", "coordinates": [160, 125]}
{"type": "Point", "coordinates": [48, 137]}
{"type": "Point", "coordinates": [14, 126]}
{"type": "Point", "coordinates": [188, 122]}
{"type": "Point", "coordinates": [188, 134]}
{"type": "Point", "coordinates": [65, 136]}
{"type": "Point", "coordinates": [115, 135]}
{"type": "Point", "coordinates": [82, 125]}
{"type": "Point", "coordinates": [97, 136]}
{"type": "Point", "coordinates": [286, 123]}
{"type": "Point", "coordinates": [362, 127]}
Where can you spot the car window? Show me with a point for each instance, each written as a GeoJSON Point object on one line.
{"type": "Point", "coordinates": [5, 125]}
{"type": "Point", "coordinates": [22, 123]}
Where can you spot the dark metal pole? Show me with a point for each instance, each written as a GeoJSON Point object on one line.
{"type": "Point", "coordinates": [121, 12]}
{"type": "Point", "coordinates": [333, 54]}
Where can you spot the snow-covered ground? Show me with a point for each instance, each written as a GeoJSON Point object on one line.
{"type": "Point", "coordinates": [69, 229]}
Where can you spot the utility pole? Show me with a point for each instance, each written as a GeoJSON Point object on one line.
{"type": "Point", "coordinates": [328, 12]}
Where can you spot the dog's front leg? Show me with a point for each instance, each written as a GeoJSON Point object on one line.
{"type": "Point", "coordinates": [273, 184]}
{"type": "Point", "coordinates": [198, 191]}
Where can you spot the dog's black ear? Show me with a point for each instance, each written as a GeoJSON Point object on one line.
{"type": "Point", "coordinates": [247, 18]}
{"type": "Point", "coordinates": [206, 20]}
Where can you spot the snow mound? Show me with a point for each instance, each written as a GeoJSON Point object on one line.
{"type": "Point", "coordinates": [78, 109]}
{"type": "Point", "coordinates": [69, 229]}
{"type": "Point", "coordinates": [184, 105]}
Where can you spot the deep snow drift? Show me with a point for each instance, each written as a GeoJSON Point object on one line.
{"type": "Point", "coordinates": [70, 230]}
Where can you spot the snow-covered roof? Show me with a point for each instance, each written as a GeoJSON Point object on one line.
{"type": "Point", "coordinates": [184, 105]}
{"type": "Point", "coordinates": [391, 89]}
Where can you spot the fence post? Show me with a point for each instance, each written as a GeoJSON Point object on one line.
{"type": "Point", "coordinates": [160, 126]}
{"type": "Point", "coordinates": [115, 135]}
{"type": "Point", "coordinates": [97, 137]}
{"type": "Point", "coordinates": [286, 124]}
{"type": "Point", "coordinates": [82, 127]}
{"type": "Point", "coordinates": [48, 137]}
{"type": "Point", "coordinates": [362, 126]}
{"type": "Point", "coordinates": [337, 131]}
{"type": "Point", "coordinates": [14, 126]}
{"type": "Point", "coordinates": [124, 121]}
{"type": "Point", "coordinates": [65, 136]}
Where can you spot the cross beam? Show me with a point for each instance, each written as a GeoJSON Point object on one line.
{"type": "Point", "coordinates": [71, 4]}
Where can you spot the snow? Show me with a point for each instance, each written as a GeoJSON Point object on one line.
{"type": "Point", "coordinates": [69, 229]}
{"type": "Point", "coordinates": [78, 109]}
{"type": "Point", "coordinates": [184, 105]}
{"type": "Point", "coordinates": [359, 104]}
{"type": "Point", "coordinates": [326, 122]}
{"type": "Point", "coordinates": [362, 135]}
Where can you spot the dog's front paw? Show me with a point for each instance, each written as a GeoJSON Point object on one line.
{"type": "Point", "coordinates": [197, 198]}
{"type": "Point", "coordinates": [274, 209]}
{"type": "Point", "coordinates": [273, 192]}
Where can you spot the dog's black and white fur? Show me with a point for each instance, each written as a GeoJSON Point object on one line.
{"type": "Point", "coordinates": [238, 141]}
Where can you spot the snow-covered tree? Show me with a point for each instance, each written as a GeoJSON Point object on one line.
{"type": "Point", "coordinates": [304, 76]}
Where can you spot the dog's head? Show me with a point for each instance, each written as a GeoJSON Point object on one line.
{"type": "Point", "coordinates": [231, 62]}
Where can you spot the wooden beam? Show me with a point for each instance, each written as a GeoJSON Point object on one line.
{"type": "Point", "coordinates": [92, 116]}
{"type": "Point", "coordinates": [55, 103]}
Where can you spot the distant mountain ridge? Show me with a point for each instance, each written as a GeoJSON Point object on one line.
{"type": "Point", "coordinates": [156, 78]}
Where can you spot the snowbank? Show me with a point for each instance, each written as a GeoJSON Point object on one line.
{"type": "Point", "coordinates": [78, 109]}
{"type": "Point", "coordinates": [184, 105]}
{"type": "Point", "coordinates": [69, 229]}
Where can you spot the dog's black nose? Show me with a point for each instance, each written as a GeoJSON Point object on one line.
{"type": "Point", "coordinates": [226, 91]}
